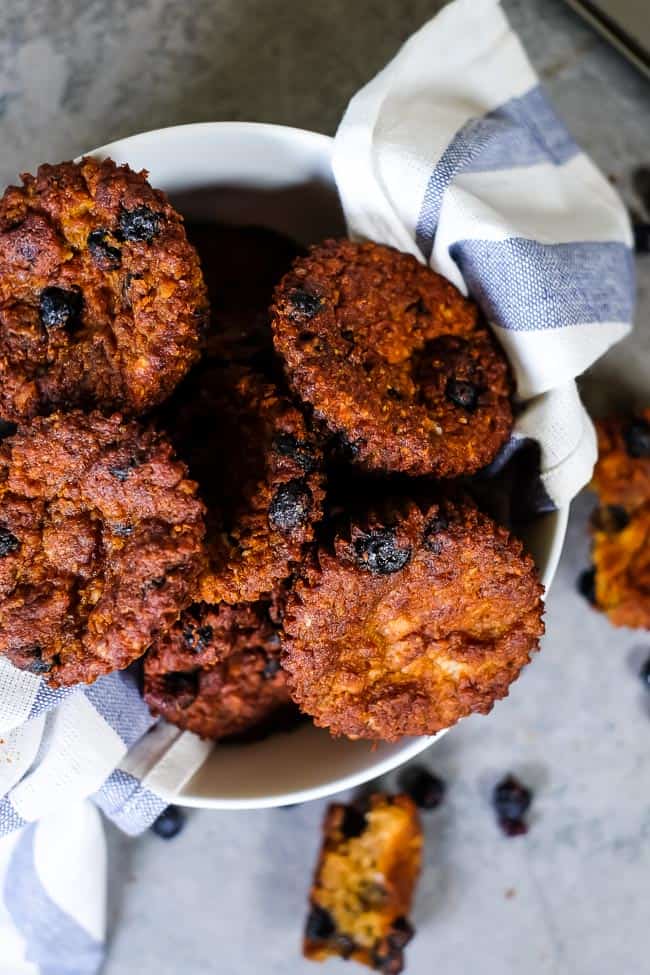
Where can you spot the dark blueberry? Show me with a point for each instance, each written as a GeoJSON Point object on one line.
{"type": "Point", "coordinates": [304, 303]}
{"type": "Point", "coordinates": [641, 183]}
{"type": "Point", "coordinates": [391, 963]}
{"type": "Point", "coordinates": [587, 585]}
{"type": "Point", "coordinates": [641, 232]}
{"type": "Point", "coordinates": [347, 334]}
{"type": "Point", "coordinates": [170, 822]}
{"type": "Point", "coordinates": [439, 523]}
{"type": "Point", "coordinates": [290, 505]}
{"type": "Point", "coordinates": [394, 394]}
{"type": "Point", "coordinates": [299, 450]}
{"type": "Point", "coordinates": [402, 932]}
{"type": "Point", "coordinates": [644, 673]}
{"type": "Point", "coordinates": [103, 253]}
{"type": "Point", "coordinates": [344, 945]}
{"type": "Point", "coordinates": [425, 789]}
{"type": "Point", "coordinates": [347, 450]}
{"type": "Point", "coordinates": [271, 668]}
{"type": "Point", "coordinates": [37, 665]}
{"type": "Point", "coordinates": [197, 637]}
{"type": "Point", "coordinates": [183, 687]}
{"type": "Point", "coordinates": [637, 438]}
{"type": "Point", "coordinates": [320, 924]}
{"type": "Point", "coordinates": [611, 518]}
{"type": "Point", "coordinates": [8, 542]}
{"type": "Point", "coordinates": [123, 471]}
{"type": "Point", "coordinates": [513, 827]}
{"type": "Point", "coordinates": [461, 393]}
{"type": "Point", "coordinates": [7, 429]}
{"type": "Point", "coordinates": [60, 308]}
{"type": "Point", "coordinates": [353, 823]}
{"type": "Point", "coordinates": [511, 799]}
{"type": "Point", "coordinates": [140, 224]}
{"type": "Point", "coordinates": [378, 552]}
{"type": "Point", "coordinates": [205, 633]}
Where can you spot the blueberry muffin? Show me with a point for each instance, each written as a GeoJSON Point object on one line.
{"type": "Point", "coordinates": [413, 617]}
{"type": "Point", "coordinates": [217, 672]}
{"type": "Point", "coordinates": [102, 300]}
{"type": "Point", "coordinates": [392, 358]}
{"type": "Point", "coordinates": [101, 544]}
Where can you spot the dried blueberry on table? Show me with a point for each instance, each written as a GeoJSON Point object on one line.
{"type": "Point", "coordinates": [462, 393]}
{"type": "Point", "coordinates": [8, 542]}
{"type": "Point", "coordinates": [170, 822]}
{"type": "Point", "coordinates": [637, 439]}
{"type": "Point", "coordinates": [378, 552]}
{"type": "Point", "coordinates": [511, 801]}
{"type": "Point", "coordinates": [641, 183]}
{"type": "Point", "coordinates": [290, 505]}
{"type": "Point", "coordinates": [641, 232]}
{"type": "Point", "coordinates": [425, 789]}
{"type": "Point", "coordinates": [139, 225]}
{"type": "Point", "coordinates": [105, 255]}
{"type": "Point", "coordinates": [644, 673]}
{"type": "Point", "coordinates": [304, 303]}
{"type": "Point", "coordinates": [320, 924]}
{"type": "Point", "coordinates": [587, 585]}
{"type": "Point", "coordinates": [60, 308]}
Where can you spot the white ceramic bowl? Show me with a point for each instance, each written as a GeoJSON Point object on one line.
{"type": "Point", "coordinates": [282, 178]}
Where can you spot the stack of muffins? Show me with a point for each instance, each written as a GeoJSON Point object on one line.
{"type": "Point", "coordinates": [258, 485]}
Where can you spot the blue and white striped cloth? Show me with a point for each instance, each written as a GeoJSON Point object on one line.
{"type": "Point", "coordinates": [452, 153]}
{"type": "Point", "coordinates": [63, 755]}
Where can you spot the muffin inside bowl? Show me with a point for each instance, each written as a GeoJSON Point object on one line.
{"type": "Point", "coordinates": [281, 179]}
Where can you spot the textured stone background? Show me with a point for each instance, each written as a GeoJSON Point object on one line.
{"type": "Point", "coordinates": [228, 895]}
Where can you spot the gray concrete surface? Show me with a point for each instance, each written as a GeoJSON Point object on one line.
{"type": "Point", "coordinates": [228, 894]}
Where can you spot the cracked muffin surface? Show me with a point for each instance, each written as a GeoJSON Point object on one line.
{"type": "Point", "coordinates": [101, 544]}
{"type": "Point", "coordinates": [411, 619]}
{"type": "Point", "coordinates": [102, 299]}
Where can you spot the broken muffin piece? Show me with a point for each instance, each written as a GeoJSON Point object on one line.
{"type": "Point", "coordinates": [364, 882]}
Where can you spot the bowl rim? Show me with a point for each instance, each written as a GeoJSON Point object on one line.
{"type": "Point", "coordinates": [557, 533]}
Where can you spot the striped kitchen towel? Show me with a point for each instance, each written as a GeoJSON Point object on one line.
{"type": "Point", "coordinates": [453, 153]}
{"type": "Point", "coordinates": [64, 754]}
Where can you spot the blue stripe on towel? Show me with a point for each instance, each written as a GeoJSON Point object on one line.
{"type": "Point", "coordinates": [524, 131]}
{"type": "Point", "coordinates": [48, 698]}
{"type": "Point", "coordinates": [55, 942]}
{"type": "Point", "coordinates": [10, 821]}
{"type": "Point", "coordinates": [127, 803]}
{"type": "Point", "coordinates": [523, 285]}
{"type": "Point", "coordinates": [117, 699]}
